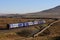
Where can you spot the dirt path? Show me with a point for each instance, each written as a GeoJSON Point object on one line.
{"type": "Point", "coordinates": [46, 28]}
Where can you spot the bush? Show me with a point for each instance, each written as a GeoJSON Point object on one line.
{"type": "Point", "coordinates": [25, 33]}
{"type": "Point", "coordinates": [45, 33]}
{"type": "Point", "coordinates": [56, 38]}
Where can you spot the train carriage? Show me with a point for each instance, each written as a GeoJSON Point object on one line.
{"type": "Point", "coordinates": [36, 22]}
{"type": "Point", "coordinates": [25, 24]}
{"type": "Point", "coordinates": [41, 22]}
{"type": "Point", "coordinates": [30, 23]}
{"type": "Point", "coordinates": [20, 25]}
{"type": "Point", "coordinates": [13, 25]}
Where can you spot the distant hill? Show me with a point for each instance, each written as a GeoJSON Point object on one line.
{"type": "Point", "coordinates": [51, 13]}
{"type": "Point", "coordinates": [55, 10]}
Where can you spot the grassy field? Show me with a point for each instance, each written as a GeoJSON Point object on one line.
{"type": "Point", "coordinates": [12, 33]}
{"type": "Point", "coordinates": [5, 21]}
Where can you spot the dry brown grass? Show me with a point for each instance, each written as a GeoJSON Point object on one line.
{"type": "Point", "coordinates": [11, 34]}
{"type": "Point", "coordinates": [5, 21]}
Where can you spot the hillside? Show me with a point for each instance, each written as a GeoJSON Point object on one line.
{"type": "Point", "coordinates": [50, 13]}
{"type": "Point", "coordinates": [53, 11]}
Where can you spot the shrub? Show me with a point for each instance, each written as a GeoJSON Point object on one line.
{"type": "Point", "coordinates": [25, 33]}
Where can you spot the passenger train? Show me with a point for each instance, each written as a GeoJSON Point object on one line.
{"type": "Point", "coordinates": [25, 24]}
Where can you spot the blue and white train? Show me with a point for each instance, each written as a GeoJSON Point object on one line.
{"type": "Point", "coordinates": [26, 24]}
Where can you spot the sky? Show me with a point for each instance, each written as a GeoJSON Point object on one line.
{"type": "Point", "coordinates": [26, 6]}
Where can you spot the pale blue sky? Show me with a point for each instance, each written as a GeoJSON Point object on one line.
{"type": "Point", "coordinates": [26, 6]}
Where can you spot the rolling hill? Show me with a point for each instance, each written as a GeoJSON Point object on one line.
{"type": "Point", "coordinates": [50, 13]}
